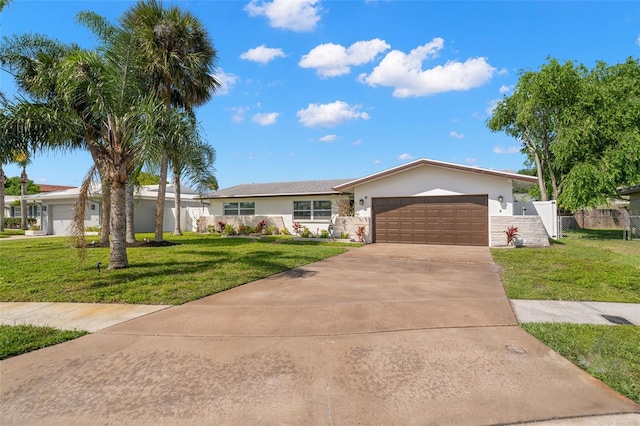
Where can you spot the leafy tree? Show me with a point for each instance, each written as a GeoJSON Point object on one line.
{"type": "Point", "coordinates": [533, 114]}
{"type": "Point", "coordinates": [13, 186]}
{"type": "Point", "coordinates": [179, 59]}
{"type": "Point", "coordinates": [579, 127]}
{"type": "Point", "coordinates": [146, 178]}
{"type": "Point", "coordinates": [599, 143]}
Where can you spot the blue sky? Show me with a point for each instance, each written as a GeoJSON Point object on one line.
{"type": "Point", "coordinates": [317, 89]}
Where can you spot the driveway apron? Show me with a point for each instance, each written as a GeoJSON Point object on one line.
{"type": "Point", "coordinates": [383, 334]}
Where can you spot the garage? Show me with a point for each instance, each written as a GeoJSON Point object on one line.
{"type": "Point", "coordinates": [61, 218]}
{"type": "Point", "coordinates": [450, 220]}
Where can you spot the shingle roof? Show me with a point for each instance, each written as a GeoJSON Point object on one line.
{"type": "Point", "coordinates": [308, 187]}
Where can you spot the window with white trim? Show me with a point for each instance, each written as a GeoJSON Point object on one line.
{"type": "Point", "coordinates": [246, 208]}
{"type": "Point", "coordinates": [312, 210]}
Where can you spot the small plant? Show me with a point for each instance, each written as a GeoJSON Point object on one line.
{"type": "Point", "coordinates": [211, 229]}
{"type": "Point", "coordinates": [306, 232]}
{"type": "Point", "coordinates": [93, 229]}
{"type": "Point", "coordinates": [285, 231]}
{"type": "Point", "coordinates": [271, 230]}
{"type": "Point", "coordinates": [229, 230]}
{"type": "Point", "coordinates": [297, 228]}
{"type": "Point", "coordinates": [360, 232]}
{"type": "Point", "coordinates": [34, 228]}
{"type": "Point", "coordinates": [344, 235]}
{"type": "Point", "coordinates": [324, 234]}
{"type": "Point", "coordinates": [260, 227]}
{"type": "Point", "coordinates": [221, 226]}
{"type": "Point", "coordinates": [245, 229]}
{"type": "Point", "coordinates": [512, 234]}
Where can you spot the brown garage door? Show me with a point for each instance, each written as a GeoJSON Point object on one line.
{"type": "Point", "coordinates": [454, 219]}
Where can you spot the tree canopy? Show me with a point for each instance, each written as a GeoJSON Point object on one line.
{"type": "Point", "coordinates": [579, 127]}
{"type": "Point", "coordinates": [12, 186]}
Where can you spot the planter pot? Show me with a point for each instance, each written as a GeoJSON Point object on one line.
{"type": "Point", "coordinates": [34, 233]}
{"type": "Point", "coordinates": [518, 242]}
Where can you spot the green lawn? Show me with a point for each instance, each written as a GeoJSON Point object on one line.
{"type": "Point", "coordinates": [9, 232]}
{"type": "Point", "coordinates": [585, 265]}
{"type": "Point", "coordinates": [610, 353]}
{"type": "Point", "coordinates": [47, 269]}
{"type": "Point", "coordinates": [16, 340]}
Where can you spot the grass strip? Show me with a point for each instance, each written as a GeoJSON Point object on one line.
{"type": "Point", "coordinates": [20, 339]}
{"type": "Point", "coordinates": [609, 353]}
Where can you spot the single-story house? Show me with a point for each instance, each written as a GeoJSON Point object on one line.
{"type": "Point", "coordinates": [12, 209]}
{"type": "Point", "coordinates": [633, 192]}
{"type": "Point", "coordinates": [423, 202]}
{"type": "Point", "coordinates": [55, 209]}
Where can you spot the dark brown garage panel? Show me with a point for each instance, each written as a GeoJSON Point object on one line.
{"type": "Point", "coordinates": [451, 219]}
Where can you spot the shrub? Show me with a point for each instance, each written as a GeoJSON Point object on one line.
{"type": "Point", "coordinates": [221, 226]}
{"type": "Point", "coordinates": [34, 228]}
{"type": "Point", "coordinates": [512, 233]}
{"type": "Point", "coordinates": [211, 229]}
{"type": "Point", "coordinates": [344, 235]}
{"type": "Point", "coordinates": [285, 231]}
{"type": "Point", "coordinates": [297, 228]}
{"type": "Point", "coordinates": [360, 232]}
{"type": "Point", "coordinates": [245, 229]}
{"type": "Point", "coordinates": [229, 230]}
{"type": "Point", "coordinates": [93, 229]}
{"type": "Point", "coordinates": [306, 233]}
{"type": "Point", "coordinates": [272, 230]}
{"type": "Point", "coordinates": [324, 234]}
{"type": "Point", "coordinates": [261, 226]}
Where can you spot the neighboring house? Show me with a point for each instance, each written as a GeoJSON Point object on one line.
{"type": "Point", "coordinates": [57, 208]}
{"type": "Point", "coordinates": [422, 202]}
{"type": "Point", "coordinates": [633, 192]}
{"type": "Point", "coordinates": [33, 209]}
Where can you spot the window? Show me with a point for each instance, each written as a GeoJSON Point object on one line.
{"type": "Point", "coordinates": [32, 211]}
{"type": "Point", "coordinates": [312, 210]}
{"type": "Point", "coordinates": [242, 209]}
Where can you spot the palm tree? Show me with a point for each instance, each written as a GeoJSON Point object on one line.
{"type": "Point", "coordinates": [23, 159]}
{"type": "Point", "coordinates": [179, 59]}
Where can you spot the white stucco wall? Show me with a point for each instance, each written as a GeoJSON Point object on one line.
{"type": "Point", "coordinates": [429, 180]}
{"type": "Point", "coordinates": [280, 207]}
{"type": "Point", "coordinates": [634, 203]}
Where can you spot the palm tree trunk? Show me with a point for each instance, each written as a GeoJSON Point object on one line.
{"type": "Point", "coordinates": [131, 236]}
{"type": "Point", "coordinates": [106, 210]}
{"type": "Point", "coordinates": [162, 191]}
{"type": "Point", "coordinates": [3, 179]}
{"type": "Point", "coordinates": [118, 253]}
{"type": "Point", "coordinates": [177, 230]}
{"type": "Point", "coordinates": [23, 203]}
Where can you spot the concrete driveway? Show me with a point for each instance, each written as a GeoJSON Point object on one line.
{"type": "Point", "coordinates": [384, 334]}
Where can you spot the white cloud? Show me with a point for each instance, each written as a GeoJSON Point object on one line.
{"type": "Point", "coordinates": [265, 119]}
{"type": "Point", "coordinates": [638, 41]}
{"type": "Point", "coordinates": [505, 89]}
{"type": "Point", "coordinates": [356, 142]}
{"type": "Point", "coordinates": [294, 15]}
{"type": "Point", "coordinates": [328, 138]}
{"type": "Point", "coordinates": [330, 115]}
{"type": "Point", "coordinates": [238, 113]}
{"type": "Point", "coordinates": [332, 60]}
{"type": "Point", "coordinates": [470, 160]}
{"type": "Point", "coordinates": [456, 135]}
{"type": "Point", "coordinates": [262, 54]}
{"type": "Point", "coordinates": [404, 72]}
{"type": "Point", "coordinates": [405, 157]}
{"type": "Point", "coordinates": [227, 81]}
{"type": "Point", "coordinates": [509, 150]}
{"type": "Point", "coordinates": [503, 71]}
{"type": "Point", "coordinates": [377, 162]}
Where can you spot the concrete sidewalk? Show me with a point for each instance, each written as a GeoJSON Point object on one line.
{"type": "Point", "coordinates": [96, 316]}
{"type": "Point", "coordinates": [72, 316]}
